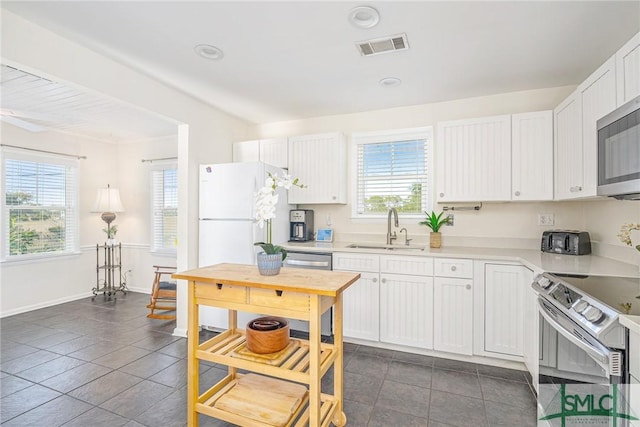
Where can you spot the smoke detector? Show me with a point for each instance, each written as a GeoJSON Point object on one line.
{"type": "Point", "coordinates": [383, 45]}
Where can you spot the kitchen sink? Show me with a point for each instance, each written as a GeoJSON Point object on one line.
{"type": "Point", "coordinates": [386, 247]}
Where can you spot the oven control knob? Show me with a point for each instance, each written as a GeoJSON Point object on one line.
{"type": "Point", "coordinates": [581, 306]}
{"type": "Point", "coordinates": [593, 314]}
{"type": "Point", "coordinates": [545, 282]}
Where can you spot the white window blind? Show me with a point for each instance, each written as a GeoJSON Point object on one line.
{"type": "Point", "coordinates": [392, 170]}
{"type": "Point", "coordinates": [40, 214]}
{"type": "Point", "coordinates": [164, 182]}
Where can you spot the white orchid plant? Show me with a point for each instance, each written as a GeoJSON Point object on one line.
{"type": "Point", "coordinates": [625, 234]}
{"type": "Point", "coordinates": [266, 200]}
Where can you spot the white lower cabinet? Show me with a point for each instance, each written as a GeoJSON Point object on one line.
{"type": "Point", "coordinates": [504, 318]}
{"type": "Point", "coordinates": [453, 315]}
{"type": "Point", "coordinates": [634, 369]}
{"type": "Point", "coordinates": [361, 302]}
{"type": "Point", "coordinates": [405, 303]}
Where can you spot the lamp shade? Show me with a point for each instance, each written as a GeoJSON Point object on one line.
{"type": "Point", "coordinates": [108, 200]}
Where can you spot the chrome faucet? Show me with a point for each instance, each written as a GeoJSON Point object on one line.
{"type": "Point", "coordinates": [406, 236]}
{"type": "Point", "coordinates": [391, 237]}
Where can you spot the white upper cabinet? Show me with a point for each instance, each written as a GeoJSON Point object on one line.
{"type": "Point", "coordinates": [275, 152]}
{"type": "Point", "coordinates": [320, 162]}
{"type": "Point", "coordinates": [532, 156]}
{"type": "Point", "coordinates": [576, 150]}
{"type": "Point", "coordinates": [474, 160]}
{"type": "Point", "coordinates": [568, 147]}
{"type": "Point", "coordinates": [628, 70]}
{"type": "Point", "coordinates": [598, 94]}
{"type": "Point", "coordinates": [271, 151]}
{"type": "Point", "coordinates": [246, 151]}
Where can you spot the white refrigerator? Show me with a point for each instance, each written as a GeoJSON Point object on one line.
{"type": "Point", "coordinates": [227, 226]}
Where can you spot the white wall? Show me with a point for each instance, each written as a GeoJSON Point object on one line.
{"type": "Point", "coordinates": [29, 285]}
{"type": "Point", "coordinates": [496, 224]}
{"type": "Point", "coordinates": [210, 131]}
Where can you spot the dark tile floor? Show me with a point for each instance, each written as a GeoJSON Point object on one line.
{"type": "Point", "coordinates": [104, 363]}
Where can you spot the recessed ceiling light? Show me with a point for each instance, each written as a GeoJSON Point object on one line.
{"type": "Point", "coordinates": [390, 82]}
{"type": "Point", "coordinates": [364, 17]}
{"type": "Point", "coordinates": [207, 51]}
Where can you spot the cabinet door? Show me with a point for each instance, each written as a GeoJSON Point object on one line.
{"type": "Point", "coordinates": [474, 160]}
{"type": "Point", "coordinates": [503, 307]}
{"type": "Point", "coordinates": [320, 162]}
{"type": "Point", "coordinates": [532, 156]}
{"type": "Point", "coordinates": [361, 308]}
{"type": "Point", "coordinates": [598, 94]}
{"type": "Point", "coordinates": [628, 70]}
{"type": "Point", "coordinates": [356, 262]}
{"type": "Point", "coordinates": [634, 398]}
{"type": "Point", "coordinates": [246, 151]}
{"type": "Point", "coordinates": [531, 327]}
{"type": "Point", "coordinates": [568, 148]}
{"type": "Point", "coordinates": [453, 315]}
{"type": "Point", "coordinates": [275, 152]}
{"type": "Point", "coordinates": [406, 310]}
{"type": "Point", "coordinates": [571, 358]}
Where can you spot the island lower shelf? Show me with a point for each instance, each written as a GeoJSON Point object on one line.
{"type": "Point", "coordinates": [292, 364]}
{"type": "Point", "coordinates": [298, 417]}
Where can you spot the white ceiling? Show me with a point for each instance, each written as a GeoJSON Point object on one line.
{"type": "Point", "coordinates": [290, 60]}
{"type": "Point", "coordinates": [37, 104]}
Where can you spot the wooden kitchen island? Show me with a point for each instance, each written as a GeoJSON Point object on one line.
{"type": "Point", "coordinates": [294, 293]}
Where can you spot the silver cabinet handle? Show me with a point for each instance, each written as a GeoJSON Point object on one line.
{"type": "Point", "coordinates": [374, 280]}
{"type": "Point", "coordinates": [468, 287]}
{"type": "Point", "coordinates": [383, 280]}
{"type": "Point", "coordinates": [454, 268]}
{"type": "Point", "coordinates": [441, 194]}
{"type": "Point", "coordinates": [517, 193]}
{"type": "Point", "coordinates": [578, 188]}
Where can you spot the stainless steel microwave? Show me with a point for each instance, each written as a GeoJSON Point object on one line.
{"type": "Point", "coordinates": [619, 152]}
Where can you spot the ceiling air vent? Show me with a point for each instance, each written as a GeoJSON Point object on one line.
{"type": "Point", "coordinates": [383, 45]}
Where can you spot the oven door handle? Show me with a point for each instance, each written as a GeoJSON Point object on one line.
{"type": "Point", "coordinates": [301, 263]}
{"type": "Point", "coordinates": [599, 353]}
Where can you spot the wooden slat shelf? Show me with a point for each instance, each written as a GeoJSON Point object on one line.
{"type": "Point", "coordinates": [294, 367]}
{"type": "Point", "coordinates": [299, 418]}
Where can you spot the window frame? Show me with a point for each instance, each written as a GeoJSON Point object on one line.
{"type": "Point", "coordinates": [161, 165]}
{"type": "Point", "coordinates": [72, 204]}
{"type": "Point", "coordinates": [388, 136]}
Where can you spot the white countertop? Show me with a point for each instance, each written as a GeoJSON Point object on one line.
{"type": "Point", "coordinates": [589, 265]}
{"type": "Point", "coordinates": [631, 322]}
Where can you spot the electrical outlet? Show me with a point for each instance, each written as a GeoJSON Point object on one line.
{"type": "Point", "coordinates": [450, 220]}
{"type": "Point", "coordinates": [546, 219]}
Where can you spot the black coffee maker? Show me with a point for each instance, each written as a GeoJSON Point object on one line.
{"type": "Point", "coordinates": [300, 225]}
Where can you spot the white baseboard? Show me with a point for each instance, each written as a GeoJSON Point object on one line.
{"type": "Point", "coordinates": [180, 332]}
{"type": "Point", "coordinates": [46, 304]}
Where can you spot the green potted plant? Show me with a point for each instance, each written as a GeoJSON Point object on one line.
{"type": "Point", "coordinates": [111, 231]}
{"type": "Point", "coordinates": [434, 222]}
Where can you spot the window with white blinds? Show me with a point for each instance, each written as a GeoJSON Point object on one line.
{"type": "Point", "coordinates": [164, 207]}
{"type": "Point", "coordinates": [392, 170]}
{"type": "Point", "coordinates": [40, 209]}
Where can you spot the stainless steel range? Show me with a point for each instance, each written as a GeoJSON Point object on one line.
{"type": "Point", "coordinates": [584, 312]}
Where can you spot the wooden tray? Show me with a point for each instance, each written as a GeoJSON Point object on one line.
{"type": "Point", "coordinates": [263, 399]}
{"type": "Point", "coordinates": [273, 359]}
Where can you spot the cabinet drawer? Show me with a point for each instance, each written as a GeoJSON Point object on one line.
{"type": "Point", "coordinates": [453, 267]}
{"type": "Point", "coordinates": [356, 262]}
{"type": "Point", "coordinates": [228, 293]}
{"type": "Point", "coordinates": [269, 298]}
{"type": "Point", "coordinates": [415, 265]}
